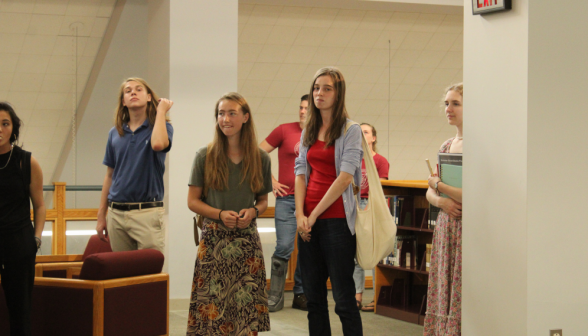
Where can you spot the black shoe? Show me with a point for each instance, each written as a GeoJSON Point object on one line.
{"type": "Point", "coordinates": [299, 302]}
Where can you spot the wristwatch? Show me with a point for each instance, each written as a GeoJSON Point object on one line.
{"type": "Point", "coordinates": [256, 212]}
{"type": "Point", "coordinates": [437, 186]}
{"type": "Point", "coordinates": [39, 242]}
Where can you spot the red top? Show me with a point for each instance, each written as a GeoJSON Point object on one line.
{"type": "Point", "coordinates": [322, 176]}
{"type": "Point", "coordinates": [286, 138]}
{"type": "Point", "coordinates": [382, 165]}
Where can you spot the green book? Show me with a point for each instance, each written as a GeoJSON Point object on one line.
{"type": "Point", "coordinates": [450, 169]}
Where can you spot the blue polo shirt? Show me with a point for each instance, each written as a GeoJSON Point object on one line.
{"type": "Point", "coordinates": [138, 169]}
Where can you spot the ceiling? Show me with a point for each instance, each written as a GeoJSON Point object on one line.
{"type": "Point", "coordinates": [38, 66]}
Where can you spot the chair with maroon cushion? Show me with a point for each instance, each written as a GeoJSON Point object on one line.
{"type": "Point", "coordinates": [56, 266]}
{"type": "Point", "coordinates": [118, 293]}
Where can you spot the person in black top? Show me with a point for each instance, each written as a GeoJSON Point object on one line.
{"type": "Point", "coordinates": [21, 179]}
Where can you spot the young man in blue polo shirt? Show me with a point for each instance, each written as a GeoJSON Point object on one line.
{"type": "Point", "coordinates": [130, 215]}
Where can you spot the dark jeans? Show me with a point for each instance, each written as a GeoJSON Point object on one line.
{"type": "Point", "coordinates": [329, 254]}
{"type": "Point", "coordinates": [17, 258]}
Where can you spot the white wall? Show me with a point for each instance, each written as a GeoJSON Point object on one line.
{"type": "Point", "coordinates": [557, 293]}
{"type": "Point", "coordinates": [524, 187]}
{"type": "Point", "coordinates": [495, 174]}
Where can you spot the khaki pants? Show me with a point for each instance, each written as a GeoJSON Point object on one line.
{"type": "Point", "coordinates": [136, 229]}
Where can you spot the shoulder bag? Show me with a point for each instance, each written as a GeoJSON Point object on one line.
{"type": "Point", "coordinates": [375, 231]}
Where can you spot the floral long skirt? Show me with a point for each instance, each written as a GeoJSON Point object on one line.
{"type": "Point", "coordinates": [229, 289]}
{"type": "Point", "coordinates": [444, 293]}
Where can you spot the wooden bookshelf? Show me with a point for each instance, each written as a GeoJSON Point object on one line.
{"type": "Point", "coordinates": [400, 292]}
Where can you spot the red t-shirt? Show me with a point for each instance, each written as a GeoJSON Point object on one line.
{"type": "Point", "coordinates": [322, 176]}
{"type": "Point", "coordinates": [286, 138]}
{"type": "Point", "coordinates": [382, 165]}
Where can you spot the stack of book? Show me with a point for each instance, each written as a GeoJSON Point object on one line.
{"type": "Point", "coordinates": [411, 211]}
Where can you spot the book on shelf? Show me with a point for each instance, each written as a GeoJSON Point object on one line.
{"type": "Point", "coordinates": [405, 210]}
{"type": "Point", "coordinates": [433, 214]}
{"type": "Point", "coordinates": [450, 169]}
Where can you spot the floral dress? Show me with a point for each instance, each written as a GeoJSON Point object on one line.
{"type": "Point", "coordinates": [229, 289]}
{"type": "Point", "coordinates": [444, 293]}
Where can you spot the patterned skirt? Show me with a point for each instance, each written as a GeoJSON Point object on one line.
{"type": "Point", "coordinates": [229, 289]}
{"type": "Point", "coordinates": [444, 293]}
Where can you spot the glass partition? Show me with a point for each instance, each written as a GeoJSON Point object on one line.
{"type": "Point", "coordinates": [46, 239]}
{"type": "Point", "coordinates": [77, 234]}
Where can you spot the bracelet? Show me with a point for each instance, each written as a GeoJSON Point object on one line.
{"type": "Point", "coordinates": [219, 218]}
{"type": "Point", "coordinates": [39, 241]}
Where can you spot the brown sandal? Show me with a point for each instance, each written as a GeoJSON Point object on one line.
{"type": "Point", "coordinates": [369, 307]}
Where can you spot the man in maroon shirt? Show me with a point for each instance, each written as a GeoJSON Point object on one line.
{"type": "Point", "coordinates": [286, 138]}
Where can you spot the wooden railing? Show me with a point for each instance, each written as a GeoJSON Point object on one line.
{"type": "Point", "coordinates": [59, 216]}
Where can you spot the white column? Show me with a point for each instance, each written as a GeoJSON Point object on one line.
{"type": "Point", "coordinates": [203, 39]}
{"type": "Point", "coordinates": [526, 79]}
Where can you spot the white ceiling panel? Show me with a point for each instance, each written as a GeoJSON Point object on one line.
{"type": "Point", "coordinates": [45, 24]}
{"type": "Point", "coordinates": [17, 6]}
{"type": "Point", "coordinates": [27, 82]}
{"type": "Point", "coordinates": [5, 81]}
{"type": "Point", "coordinates": [15, 23]}
{"type": "Point", "coordinates": [38, 44]}
{"type": "Point", "coordinates": [55, 7]}
{"type": "Point", "coordinates": [12, 42]}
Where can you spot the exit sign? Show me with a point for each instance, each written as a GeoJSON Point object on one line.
{"type": "Point", "coordinates": [489, 6]}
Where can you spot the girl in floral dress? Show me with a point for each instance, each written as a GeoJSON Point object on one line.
{"type": "Point", "coordinates": [444, 293]}
{"type": "Point", "coordinates": [234, 175]}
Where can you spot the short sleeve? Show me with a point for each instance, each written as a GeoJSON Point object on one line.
{"type": "Point", "coordinates": [276, 137]}
{"type": "Point", "coordinates": [197, 174]}
{"type": "Point", "coordinates": [170, 136]}
{"type": "Point", "coordinates": [383, 167]}
{"type": "Point", "coordinates": [266, 164]}
{"type": "Point", "coordinates": [109, 157]}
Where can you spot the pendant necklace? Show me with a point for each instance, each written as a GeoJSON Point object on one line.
{"type": "Point", "coordinates": [6, 165]}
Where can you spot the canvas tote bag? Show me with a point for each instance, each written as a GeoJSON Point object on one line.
{"type": "Point", "coordinates": [375, 231]}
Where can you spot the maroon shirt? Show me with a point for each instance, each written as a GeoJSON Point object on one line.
{"type": "Point", "coordinates": [382, 165]}
{"type": "Point", "coordinates": [322, 176]}
{"type": "Point", "coordinates": [286, 138]}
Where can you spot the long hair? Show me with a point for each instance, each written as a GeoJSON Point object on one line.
{"type": "Point", "coordinates": [314, 121]}
{"type": "Point", "coordinates": [373, 135]}
{"type": "Point", "coordinates": [122, 112]}
{"type": "Point", "coordinates": [16, 122]}
{"type": "Point", "coordinates": [216, 171]}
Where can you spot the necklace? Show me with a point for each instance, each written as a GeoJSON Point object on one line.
{"type": "Point", "coordinates": [458, 138]}
{"type": "Point", "coordinates": [11, 148]}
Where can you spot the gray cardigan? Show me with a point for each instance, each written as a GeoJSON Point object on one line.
{"type": "Point", "coordinates": [348, 155]}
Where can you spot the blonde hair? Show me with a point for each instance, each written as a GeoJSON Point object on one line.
{"type": "Point", "coordinates": [455, 87]}
{"type": "Point", "coordinates": [314, 120]}
{"type": "Point", "coordinates": [216, 171]}
{"type": "Point", "coordinates": [122, 115]}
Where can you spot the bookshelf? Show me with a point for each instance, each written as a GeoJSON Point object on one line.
{"type": "Point", "coordinates": [400, 290]}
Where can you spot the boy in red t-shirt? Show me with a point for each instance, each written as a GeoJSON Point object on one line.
{"type": "Point", "coordinates": [286, 138]}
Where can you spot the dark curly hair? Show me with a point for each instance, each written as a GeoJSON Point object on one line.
{"type": "Point", "coordinates": [16, 122]}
